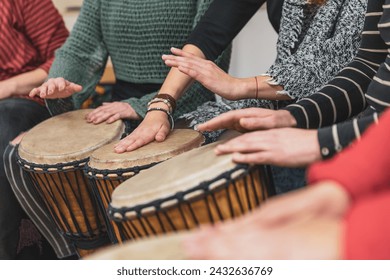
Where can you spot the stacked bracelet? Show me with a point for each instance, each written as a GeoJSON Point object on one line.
{"type": "Point", "coordinates": [165, 101]}
{"type": "Point", "coordinates": [170, 118]}
{"type": "Point", "coordinates": [169, 98]}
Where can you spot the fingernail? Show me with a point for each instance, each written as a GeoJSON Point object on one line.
{"type": "Point", "coordinates": [196, 127]}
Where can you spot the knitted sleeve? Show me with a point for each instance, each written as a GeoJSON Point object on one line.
{"type": "Point", "coordinates": [330, 43]}
{"type": "Point", "coordinates": [196, 94]}
{"type": "Point", "coordinates": [81, 59]}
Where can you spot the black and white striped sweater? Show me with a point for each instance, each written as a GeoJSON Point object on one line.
{"type": "Point", "coordinates": [364, 83]}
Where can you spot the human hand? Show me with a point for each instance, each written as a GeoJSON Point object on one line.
{"type": "Point", "coordinates": [243, 239]}
{"type": "Point", "coordinates": [155, 127]}
{"type": "Point", "coordinates": [249, 119]}
{"type": "Point", "coordinates": [209, 75]}
{"type": "Point", "coordinates": [289, 147]}
{"type": "Point", "coordinates": [326, 199]}
{"type": "Point", "coordinates": [56, 88]}
{"type": "Point", "coordinates": [111, 112]}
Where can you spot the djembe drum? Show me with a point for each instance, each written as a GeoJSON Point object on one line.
{"type": "Point", "coordinates": [181, 193]}
{"type": "Point", "coordinates": [54, 154]}
{"type": "Point", "coordinates": [107, 169]}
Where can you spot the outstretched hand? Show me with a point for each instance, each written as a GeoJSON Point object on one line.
{"type": "Point", "coordinates": [208, 74]}
{"type": "Point", "coordinates": [289, 147]}
{"type": "Point", "coordinates": [249, 119]}
{"type": "Point", "coordinates": [56, 88]}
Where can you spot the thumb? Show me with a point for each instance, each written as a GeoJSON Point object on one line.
{"type": "Point", "coordinates": [162, 133]}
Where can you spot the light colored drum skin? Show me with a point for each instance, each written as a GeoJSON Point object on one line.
{"type": "Point", "coordinates": [107, 169]}
{"type": "Point", "coordinates": [54, 153]}
{"type": "Point", "coordinates": [166, 247]}
{"type": "Point", "coordinates": [190, 189]}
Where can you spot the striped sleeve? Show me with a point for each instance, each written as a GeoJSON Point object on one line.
{"type": "Point", "coordinates": [44, 27]}
{"type": "Point", "coordinates": [335, 138]}
{"type": "Point", "coordinates": [344, 97]}
{"type": "Point", "coordinates": [378, 94]}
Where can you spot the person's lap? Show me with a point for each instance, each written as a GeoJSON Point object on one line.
{"type": "Point", "coordinates": [17, 115]}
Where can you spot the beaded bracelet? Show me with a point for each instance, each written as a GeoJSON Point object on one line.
{"type": "Point", "coordinates": [168, 97]}
{"type": "Point", "coordinates": [165, 101]}
{"type": "Point", "coordinates": [170, 118]}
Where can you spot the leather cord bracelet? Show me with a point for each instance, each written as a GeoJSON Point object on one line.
{"type": "Point", "coordinates": [170, 118]}
{"type": "Point", "coordinates": [168, 97]}
{"type": "Point", "coordinates": [257, 88]}
{"type": "Point", "coordinates": [165, 101]}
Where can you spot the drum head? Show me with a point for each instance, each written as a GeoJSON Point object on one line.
{"type": "Point", "coordinates": [178, 141]}
{"type": "Point", "coordinates": [177, 174]}
{"type": "Point", "coordinates": [66, 138]}
{"type": "Point", "coordinates": [167, 247]}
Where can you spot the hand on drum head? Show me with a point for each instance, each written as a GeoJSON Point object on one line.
{"type": "Point", "coordinates": [207, 73]}
{"type": "Point", "coordinates": [111, 112]}
{"type": "Point", "coordinates": [290, 147]}
{"type": "Point", "coordinates": [155, 127]}
{"type": "Point", "coordinates": [56, 88]}
{"type": "Point", "coordinates": [250, 119]}
{"type": "Point", "coordinates": [242, 239]}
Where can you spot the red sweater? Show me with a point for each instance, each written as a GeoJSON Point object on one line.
{"type": "Point", "coordinates": [364, 171]}
{"type": "Point", "coordinates": [31, 31]}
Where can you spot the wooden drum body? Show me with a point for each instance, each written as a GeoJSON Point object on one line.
{"type": "Point", "coordinates": [54, 154]}
{"type": "Point", "coordinates": [107, 169]}
{"type": "Point", "coordinates": [181, 193]}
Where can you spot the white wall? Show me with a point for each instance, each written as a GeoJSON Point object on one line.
{"type": "Point", "coordinates": [254, 48]}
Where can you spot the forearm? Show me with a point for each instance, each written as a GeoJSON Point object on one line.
{"type": "Point", "coordinates": [176, 83]}
{"type": "Point", "coordinates": [22, 84]}
{"type": "Point", "coordinates": [259, 87]}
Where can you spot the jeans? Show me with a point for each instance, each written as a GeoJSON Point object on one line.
{"type": "Point", "coordinates": [16, 115]}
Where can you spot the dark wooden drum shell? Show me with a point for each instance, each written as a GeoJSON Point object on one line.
{"type": "Point", "coordinates": [107, 169]}
{"type": "Point", "coordinates": [54, 154]}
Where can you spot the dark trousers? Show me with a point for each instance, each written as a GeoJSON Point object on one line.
{"type": "Point", "coordinates": [16, 116]}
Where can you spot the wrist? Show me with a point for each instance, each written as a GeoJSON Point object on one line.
{"type": "Point", "coordinates": [244, 88]}
{"type": "Point", "coordinates": [288, 118]}
{"type": "Point", "coordinates": [164, 111]}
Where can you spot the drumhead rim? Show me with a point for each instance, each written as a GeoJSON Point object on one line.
{"type": "Point", "coordinates": [113, 211]}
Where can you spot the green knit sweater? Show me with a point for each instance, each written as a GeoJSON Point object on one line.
{"type": "Point", "coordinates": [134, 34]}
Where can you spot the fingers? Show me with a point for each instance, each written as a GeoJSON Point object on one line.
{"type": "Point", "coordinates": [226, 120]}
{"type": "Point", "coordinates": [109, 112]}
{"type": "Point", "coordinates": [253, 158]}
{"type": "Point", "coordinates": [232, 119]}
{"type": "Point", "coordinates": [129, 143]}
{"type": "Point", "coordinates": [113, 118]}
{"type": "Point", "coordinates": [55, 88]}
{"type": "Point", "coordinates": [249, 142]}
{"type": "Point", "coordinates": [100, 114]}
